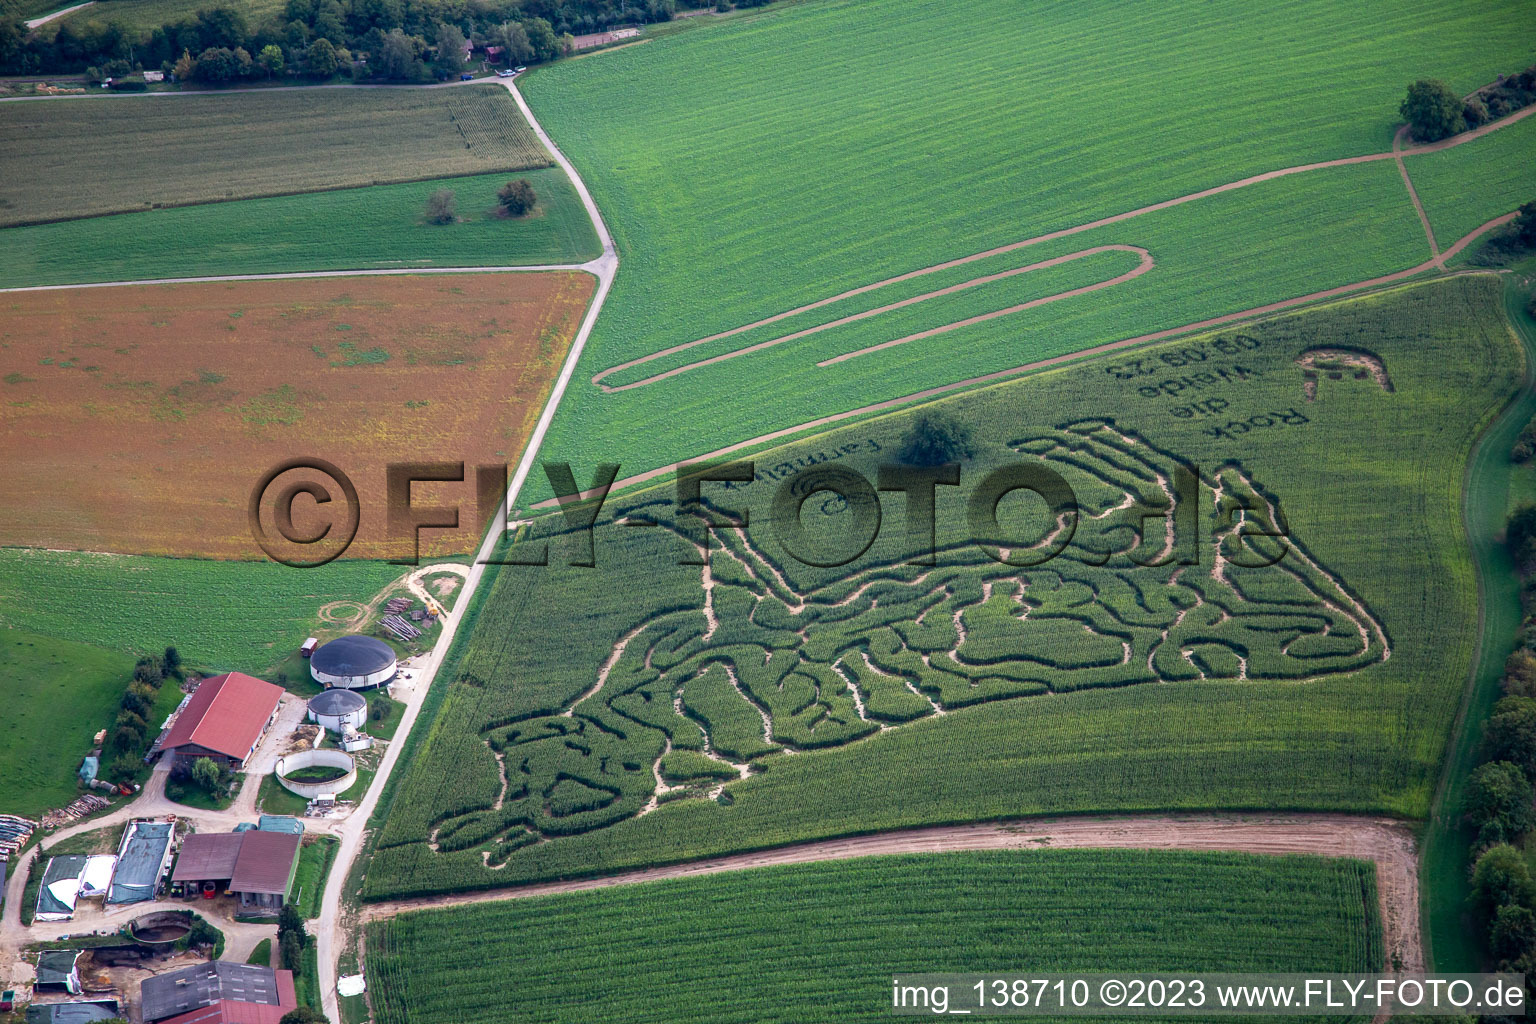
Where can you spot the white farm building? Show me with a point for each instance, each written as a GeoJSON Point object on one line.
{"type": "Point", "coordinates": [353, 663]}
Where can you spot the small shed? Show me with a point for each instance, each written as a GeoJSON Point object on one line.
{"type": "Point", "coordinates": [57, 971]}
{"type": "Point", "coordinates": [308, 647]}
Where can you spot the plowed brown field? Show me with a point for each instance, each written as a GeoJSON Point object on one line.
{"type": "Point", "coordinates": [138, 419]}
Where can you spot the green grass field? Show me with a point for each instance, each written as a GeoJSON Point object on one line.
{"type": "Point", "coordinates": [740, 185]}
{"type": "Point", "coordinates": [220, 615]}
{"type": "Point", "coordinates": [1360, 473]}
{"type": "Point", "coordinates": [139, 153]}
{"type": "Point", "coordinates": [821, 941]}
{"type": "Point", "coordinates": [40, 675]}
{"type": "Point", "coordinates": [309, 879]}
{"type": "Point", "coordinates": [1469, 185]}
{"type": "Point", "coordinates": [151, 14]}
{"type": "Point", "coordinates": [376, 228]}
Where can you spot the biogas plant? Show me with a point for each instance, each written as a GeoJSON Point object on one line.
{"type": "Point", "coordinates": [353, 663]}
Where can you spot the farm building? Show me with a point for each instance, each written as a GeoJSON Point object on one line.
{"type": "Point", "coordinates": [142, 860]}
{"type": "Point", "coordinates": [60, 888]}
{"type": "Point", "coordinates": [353, 663]}
{"type": "Point", "coordinates": [256, 867]}
{"type": "Point", "coordinates": [334, 710]}
{"type": "Point", "coordinates": [57, 972]}
{"type": "Point", "coordinates": [224, 720]}
{"type": "Point", "coordinates": [218, 993]}
{"type": "Point", "coordinates": [74, 1012]}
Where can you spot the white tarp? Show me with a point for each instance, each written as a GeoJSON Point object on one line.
{"type": "Point", "coordinates": [98, 875]}
{"type": "Point", "coordinates": [64, 890]}
{"type": "Point", "coordinates": [352, 985]}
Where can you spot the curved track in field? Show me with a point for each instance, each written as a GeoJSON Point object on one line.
{"type": "Point", "coordinates": [1146, 263]}
{"type": "Point", "coordinates": [1388, 844]}
{"type": "Point", "coordinates": [1398, 151]}
{"type": "Point", "coordinates": [1360, 287]}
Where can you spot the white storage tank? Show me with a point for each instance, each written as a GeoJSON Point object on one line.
{"type": "Point", "coordinates": [353, 662]}
{"type": "Point", "coordinates": [334, 710]}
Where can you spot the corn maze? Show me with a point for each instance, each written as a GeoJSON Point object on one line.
{"type": "Point", "coordinates": [1159, 576]}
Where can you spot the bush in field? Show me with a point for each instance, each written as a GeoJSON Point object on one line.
{"type": "Point", "coordinates": [1432, 110]}
{"type": "Point", "coordinates": [516, 197]}
{"type": "Point", "coordinates": [1498, 802]}
{"type": "Point", "coordinates": [1513, 932]}
{"type": "Point", "coordinates": [935, 439]}
{"type": "Point", "coordinates": [441, 207]}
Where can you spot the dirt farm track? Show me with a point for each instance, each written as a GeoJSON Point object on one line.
{"type": "Point", "coordinates": [117, 397]}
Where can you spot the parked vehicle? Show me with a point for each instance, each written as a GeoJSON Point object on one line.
{"type": "Point", "coordinates": [466, 77]}
{"type": "Point", "coordinates": [210, 890]}
{"type": "Point", "coordinates": [505, 73]}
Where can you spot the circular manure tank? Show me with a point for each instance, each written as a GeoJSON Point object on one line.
{"type": "Point", "coordinates": [309, 773]}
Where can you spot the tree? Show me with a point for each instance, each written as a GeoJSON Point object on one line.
{"type": "Point", "coordinates": [1524, 225]}
{"type": "Point", "coordinates": [541, 36]}
{"type": "Point", "coordinates": [1513, 932]}
{"type": "Point", "coordinates": [216, 66]}
{"type": "Point", "coordinates": [149, 669]}
{"type": "Point", "coordinates": [1498, 802]}
{"type": "Point", "coordinates": [450, 51]}
{"type": "Point", "coordinates": [292, 948]}
{"type": "Point", "coordinates": [935, 439]}
{"type": "Point", "coordinates": [320, 60]}
{"type": "Point", "coordinates": [1432, 110]}
{"type": "Point", "coordinates": [137, 699]}
{"type": "Point", "coordinates": [379, 708]}
{"type": "Point", "coordinates": [516, 197]}
{"type": "Point", "coordinates": [1500, 878]}
{"type": "Point", "coordinates": [206, 774]}
{"type": "Point", "coordinates": [303, 1015]}
{"type": "Point", "coordinates": [288, 920]}
{"type": "Point", "coordinates": [271, 59]}
{"type": "Point", "coordinates": [1510, 734]}
{"type": "Point", "coordinates": [123, 767]}
{"type": "Point", "coordinates": [395, 55]}
{"type": "Point", "coordinates": [513, 40]}
{"type": "Point", "coordinates": [1520, 532]}
{"type": "Point", "coordinates": [1520, 674]}
{"type": "Point", "coordinates": [185, 67]}
{"type": "Point", "coordinates": [171, 662]}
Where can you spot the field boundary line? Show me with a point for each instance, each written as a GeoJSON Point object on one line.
{"type": "Point", "coordinates": [296, 275]}
{"type": "Point", "coordinates": [1388, 843]}
{"type": "Point", "coordinates": [1284, 305]}
{"type": "Point", "coordinates": [604, 268]}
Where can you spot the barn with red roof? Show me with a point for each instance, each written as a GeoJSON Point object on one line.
{"type": "Point", "coordinates": [224, 720]}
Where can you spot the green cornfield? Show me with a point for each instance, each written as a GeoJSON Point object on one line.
{"type": "Point", "coordinates": [821, 941]}
{"type": "Point", "coordinates": [848, 667]}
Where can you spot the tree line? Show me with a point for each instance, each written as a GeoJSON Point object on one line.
{"type": "Point", "coordinates": [1434, 111]}
{"type": "Point", "coordinates": [1500, 803]}
{"type": "Point", "coordinates": [396, 40]}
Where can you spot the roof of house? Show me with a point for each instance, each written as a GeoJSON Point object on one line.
{"type": "Point", "coordinates": [226, 714]}
{"type": "Point", "coordinates": [230, 1011]}
{"type": "Point", "coordinates": [203, 986]}
{"type": "Point", "coordinates": [265, 863]}
{"type": "Point", "coordinates": [68, 1013]}
{"type": "Point", "coordinates": [206, 856]}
